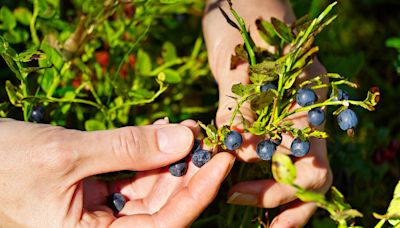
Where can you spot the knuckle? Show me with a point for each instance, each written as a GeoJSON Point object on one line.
{"type": "Point", "coordinates": [127, 143]}
{"type": "Point", "coordinates": [56, 155]}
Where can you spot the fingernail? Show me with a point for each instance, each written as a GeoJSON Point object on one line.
{"type": "Point", "coordinates": [174, 139]}
{"type": "Point", "coordinates": [243, 199]}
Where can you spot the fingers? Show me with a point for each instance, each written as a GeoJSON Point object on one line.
{"type": "Point", "coordinates": [131, 148]}
{"type": "Point", "coordinates": [184, 207]}
{"type": "Point", "coordinates": [313, 173]}
{"type": "Point", "coordinates": [296, 214]}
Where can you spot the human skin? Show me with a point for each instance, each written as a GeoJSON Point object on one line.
{"type": "Point", "coordinates": [46, 176]}
{"type": "Point", "coordinates": [313, 169]}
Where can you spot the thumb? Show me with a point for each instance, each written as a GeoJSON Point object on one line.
{"type": "Point", "coordinates": [132, 148]}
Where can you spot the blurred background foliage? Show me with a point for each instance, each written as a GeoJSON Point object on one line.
{"type": "Point", "coordinates": [116, 54]}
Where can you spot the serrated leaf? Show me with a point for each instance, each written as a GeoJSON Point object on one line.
{"type": "Point", "coordinates": [283, 169]}
{"type": "Point", "coordinates": [262, 100]}
{"type": "Point", "coordinates": [94, 125]}
{"type": "Point", "coordinates": [243, 90]}
{"type": "Point", "coordinates": [282, 30]}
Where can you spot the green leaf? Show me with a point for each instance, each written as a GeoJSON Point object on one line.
{"type": "Point", "coordinates": [307, 196]}
{"type": "Point", "coordinates": [8, 19]}
{"type": "Point", "coordinates": [143, 64]}
{"type": "Point", "coordinates": [94, 125]}
{"type": "Point", "coordinates": [393, 42]}
{"type": "Point", "coordinates": [13, 94]}
{"type": "Point", "coordinates": [394, 206]}
{"type": "Point", "coordinates": [168, 52]}
{"type": "Point", "coordinates": [282, 30]}
{"type": "Point", "coordinates": [239, 57]}
{"type": "Point", "coordinates": [291, 79]}
{"type": "Point", "coordinates": [172, 76]}
{"type": "Point", "coordinates": [29, 55]}
{"type": "Point", "coordinates": [262, 100]}
{"type": "Point", "coordinates": [318, 134]}
{"type": "Point", "coordinates": [338, 199]}
{"type": "Point", "coordinates": [267, 32]}
{"type": "Point", "coordinates": [283, 169]}
{"type": "Point", "coordinates": [243, 90]}
{"type": "Point", "coordinates": [306, 59]}
{"type": "Point", "coordinates": [23, 15]}
{"type": "Point", "coordinates": [265, 71]}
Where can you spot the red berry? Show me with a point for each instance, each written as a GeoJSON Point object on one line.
{"type": "Point", "coordinates": [389, 154]}
{"type": "Point", "coordinates": [102, 57]}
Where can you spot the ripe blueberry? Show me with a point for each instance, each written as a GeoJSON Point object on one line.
{"type": "Point", "coordinates": [316, 116]}
{"type": "Point", "coordinates": [267, 86]}
{"type": "Point", "coordinates": [342, 95]}
{"type": "Point", "coordinates": [299, 147]}
{"type": "Point", "coordinates": [265, 149]}
{"type": "Point", "coordinates": [37, 114]}
{"type": "Point", "coordinates": [305, 97]}
{"type": "Point", "coordinates": [178, 168]}
{"type": "Point", "coordinates": [116, 202]}
{"type": "Point", "coordinates": [233, 140]}
{"type": "Point", "coordinates": [201, 157]}
{"type": "Point", "coordinates": [347, 119]}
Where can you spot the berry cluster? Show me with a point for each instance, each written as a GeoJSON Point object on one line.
{"type": "Point", "coordinates": [273, 93]}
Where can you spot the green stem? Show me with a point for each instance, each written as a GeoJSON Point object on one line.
{"type": "Point", "coordinates": [246, 37]}
{"type": "Point", "coordinates": [32, 24]}
{"type": "Point", "coordinates": [237, 107]}
{"type": "Point", "coordinates": [25, 104]}
{"type": "Point", "coordinates": [327, 103]}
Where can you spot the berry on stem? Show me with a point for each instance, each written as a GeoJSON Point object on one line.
{"type": "Point", "coordinates": [316, 116]}
{"type": "Point", "coordinates": [37, 114]}
{"type": "Point", "coordinates": [342, 95]}
{"type": "Point", "coordinates": [305, 97]}
{"type": "Point", "coordinates": [267, 86]}
{"type": "Point", "coordinates": [233, 140]}
{"type": "Point", "coordinates": [347, 119]}
{"type": "Point", "coordinates": [299, 148]}
{"type": "Point", "coordinates": [265, 149]}
{"type": "Point", "coordinates": [116, 201]}
{"type": "Point", "coordinates": [200, 157]}
{"type": "Point", "coordinates": [178, 168]}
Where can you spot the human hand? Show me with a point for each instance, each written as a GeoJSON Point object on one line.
{"type": "Point", "coordinates": [313, 169]}
{"type": "Point", "coordinates": [46, 176]}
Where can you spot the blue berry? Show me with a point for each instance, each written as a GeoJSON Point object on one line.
{"type": "Point", "coordinates": [342, 95]}
{"type": "Point", "coordinates": [233, 140]}
{"type": "Point", "coordinates": [178, 168]}
{"type": "Point", "coordinates": [305, 97]}
{"type": "Point", "coordinates": [299, 147]}
{"type": "Point", "coordinates": [267, 86]}
{"type": "Point", "coordinates": [265, 149]}
{"type": "Point", "coordinates": [37, 114]}
{"type": "Point", "coordinates": [347, 119]}
{"type": "Point", "coordinates": [201, 157]}
{"type": "Point", "coordinates": [196, 146]}
{"type": "Point", "coordinates": [116, 202]}
{"type": "Point", "coordinates": [316, 116]}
